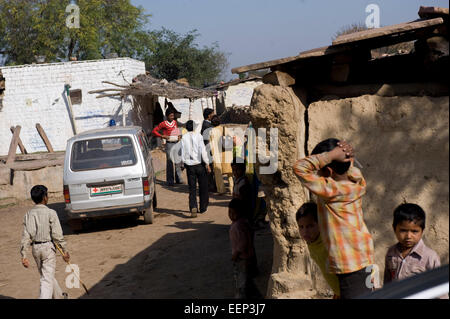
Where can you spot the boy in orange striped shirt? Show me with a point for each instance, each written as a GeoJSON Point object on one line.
{"type": "Point", "coordinates": [339, 186]}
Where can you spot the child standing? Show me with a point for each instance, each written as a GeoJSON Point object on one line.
{"type": "Point", "coordinates": [41, 230]}
{"type": "Point", "coordinates": [242, 250]}
{"type": "Point", "coordinates": [309, 230]}
{"type": "Point", "coordinates": [409, 256]}
{"type": "Point", "coordinates": [339, 187]}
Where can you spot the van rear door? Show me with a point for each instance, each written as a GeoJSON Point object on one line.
{"type": "Point", "coordinates": [105, 172]}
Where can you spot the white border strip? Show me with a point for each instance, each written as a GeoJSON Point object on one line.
{"type": "Point", "coordinates": [431, 293]}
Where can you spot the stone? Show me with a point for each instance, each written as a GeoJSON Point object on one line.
{"type": "Point", "coordinates": [278, 78]}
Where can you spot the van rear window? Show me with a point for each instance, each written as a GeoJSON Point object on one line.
{"type": "Point", "coordinates": [102, 153]}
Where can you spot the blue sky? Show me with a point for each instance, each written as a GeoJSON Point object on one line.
{"type": "Point", "coordinates": [253, 31]}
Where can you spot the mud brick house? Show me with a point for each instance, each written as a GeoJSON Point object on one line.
{"type": "Point", "coordinates": [393, 108]}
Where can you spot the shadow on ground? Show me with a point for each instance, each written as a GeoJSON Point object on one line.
{"type": "Point", "coordinates": [95, 225]}
{"type": "Point", "coordinates": [194, 263]}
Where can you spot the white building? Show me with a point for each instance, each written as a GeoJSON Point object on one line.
{"type": "Point", "coordinates": [36, 94]}
{"type": "Point", "coordinates": [239, 92]}
{"type": "Point", "coordinates": [236, 93]}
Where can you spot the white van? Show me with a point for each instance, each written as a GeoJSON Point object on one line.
{"type": "Point", "coordinates": [109, 172]}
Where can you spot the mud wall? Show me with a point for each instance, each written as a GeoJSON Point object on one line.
{"type": "Point", "coordinates": [402, 143]}
{"type": "Point", "coordinates": [279, 107]}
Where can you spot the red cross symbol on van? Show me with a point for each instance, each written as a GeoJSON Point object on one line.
{"type": "Point", "coordinates": [95, 190]}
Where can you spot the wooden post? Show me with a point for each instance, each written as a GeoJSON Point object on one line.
{"type": "Point", "coordinates": [203, 107]}
{"type": "Point", "coordinates": [190, 109]}
{"type": "Point", "coordinates": [13, 146]}
{"type": "Point", "coordinates": [22, 148]}
{"type": "Point", "coordinates": [44, 138]}
{"type": "Point", "coordinates": [72, 117]}
{"type": "Point", "coordinates": [123, 112]}
{"type": "Point", "coordinates": [214, 104]}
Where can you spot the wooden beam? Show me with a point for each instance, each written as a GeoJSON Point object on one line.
{"type": "Point", "coordinates": [38, 156]}
{"type": "Point", "coordinates": [22, 148]}
{"type": "Point", "coordinates": [387, 31]}
{"type": "Point", "coordinates": [323, 51]}
{"type": "Point", "coordinates": [13, 146]}
{"type": "Point", "coordinates": [34, 165]}
{"type": "Point", "coordinates": [263, 65]}
{"type": "Point", "coordinates": [318, 52]}
{"type": "Point", "coordinates": [44, 138]}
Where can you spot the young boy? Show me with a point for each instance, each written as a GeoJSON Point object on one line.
{"type": "Point", "coordinates": [309, 230]}
{"type": "Point", "coordinates": [409, 256]}
{"type": "Point", "coordinates": [241, 184]}
{"type": "Point", "coordinates": [339, 187]}
{"type": "Point", "coordinates": [41, 229]}
{"type": "Point", "coordinates": [242, 250]}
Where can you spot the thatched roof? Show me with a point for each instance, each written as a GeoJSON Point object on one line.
{"type": "Point", "coordinates": [145, 84]}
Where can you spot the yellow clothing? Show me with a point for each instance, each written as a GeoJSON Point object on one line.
{"type": "Point", "coordinates": [319, 254]}
{"type": "Point", "coordinates": [221, 160]}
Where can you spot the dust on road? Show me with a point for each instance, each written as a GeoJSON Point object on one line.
{"type": "Point", "coordinates": [175, 257]}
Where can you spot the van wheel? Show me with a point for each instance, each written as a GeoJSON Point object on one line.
{"type": "Point", "coordinates": [75, 225]}
{"type": "Point", "coordinates": [154, 200]}
{"type": "Point", "coordinates": [148, 215]}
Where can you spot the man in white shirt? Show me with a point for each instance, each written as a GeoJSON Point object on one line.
{"type": "Point", "coordinates": [196, 162]}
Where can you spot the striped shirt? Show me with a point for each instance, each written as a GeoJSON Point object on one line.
{"type": "Point", "coordinates": [341, 223]}
{"type": "Point", "coordinates": [420, 259]}
{"type": "Point", "coordinates": [167, 128]}
{"type": "Point", "coordinates": [41, 224]}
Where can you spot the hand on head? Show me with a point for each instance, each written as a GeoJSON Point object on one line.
{"type": "Point", "coordinates": [342, 153]}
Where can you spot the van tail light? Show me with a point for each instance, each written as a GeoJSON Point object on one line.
{"type": "Point", "coordinates": [146, 186]}
{"type": "Point", "coordinates": [66, 194]}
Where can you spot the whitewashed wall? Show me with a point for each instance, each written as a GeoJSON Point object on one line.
{"type": "Point", "coordinates": [240, 94]}
{"type": "Point", "coordinates": [182, 105]}
{"type": "Point", "coordinates": [35, 94]}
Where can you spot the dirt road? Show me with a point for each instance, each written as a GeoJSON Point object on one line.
{"type": "Point", "coordinates": [175, 257]}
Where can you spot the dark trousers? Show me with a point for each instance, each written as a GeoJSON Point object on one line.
{"type": "Point", "coordinates": [211, 180]}
{"type": "Point", "coordinates": [197, 173]}
{"type": "Point", "coordinates": [354, 284]}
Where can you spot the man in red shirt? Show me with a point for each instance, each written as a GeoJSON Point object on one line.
{"type": "Point", "coordinates": [172, 135]}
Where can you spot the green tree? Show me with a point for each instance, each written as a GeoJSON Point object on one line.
{"type": "Point", "coordinates": [176, 56]}
{"type": "Point", "coordinates": [30, 28]}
